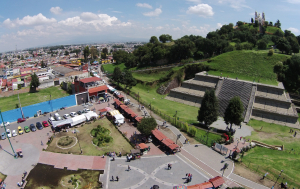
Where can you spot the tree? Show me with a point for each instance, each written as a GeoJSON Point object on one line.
{"type": "Point", "coordinates": [105, 50]}
{"type": "Point", "coordinates": [251, 20]}
{"type": "Point", "coordinates": [262, 44]}
{"type": "Point", "coordinates": [22, 57]}
{"type": "Point", "coordinates": [153, 39]}
{"type": "Point", "coordinates": [147, 125]}
{"type": "Point", "coordinates": [117, 75]}
{"type": "Point", "coordinates": [128, 80]}
{"type": "Point", "coordinates": [94, 52]}
{"type": "Point", "coordinates": [292, 74]}
{"type": "Point", "coordinates": [164, 38]}
{"type": "Point", "coordinates": [277, 24]}
{"type": "Point", "coordinates": [208, 112]}
{"type": "Point", "coordinates": [234, 112]}
{"type": "Point", "coordinates": [283, 45]}
{"type": "Point", "coordinates": [86, 52]}
{"type": "Point", "coordinates": [103, 55]}
{"type": "Point", "coordinates": [66, 53]}
{"type": "Point", "coordinates": [119, 56]}
{"type": "Point", "coordinates": [255, 23]}
{"type": "Point", "coordinates": [240, 23]}
{"type": "Point", "coordinates": [270, 23]}
{"type": "Point", "coordinates": [35, 82]}
{"type": "Point", "coordinates": [238, 46]}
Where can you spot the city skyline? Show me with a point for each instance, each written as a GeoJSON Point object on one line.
{"type": "Point", "coordinates": [34, 23]}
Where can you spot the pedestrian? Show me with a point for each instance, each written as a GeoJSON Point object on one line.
{"type": "Point", "coordinates": [117, 178]}
{"type": "Point", "coordinates": [188, 141]}
{"type": "Point", "coordinates": [103, 156]}
{"type": "Point", "coordinates": [42, 143]}
{"type": "Point", "coordinates": [170, 166]}
{"type": "Point", "coordinates": [265, 175]}
{"type": "Point", "coordinates": [157, 127]}
{"type": "Point", "coordinates": [18, 184]}
{"type": "Point", "coordinates": [129, 168]}
{"type": "Point", "coordinates": [191, 176]}
{"type": "Point", "coordinates": [240, 126]}
{"type": "Point", "coordinates": [0, 146]}
{"type": "Point", "coordinates": [112, 178]}
{"type": "Point", "coordinates": [295, 134]}
{"type": "Point", "coordinates": [120, 154]}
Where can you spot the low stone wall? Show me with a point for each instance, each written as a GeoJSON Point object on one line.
{"type": "Point", "coordinates": [276, 117]}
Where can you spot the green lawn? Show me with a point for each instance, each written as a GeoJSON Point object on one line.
{"type": "Point", "coordinates": [2, 176]}
{"type": "Point", "coordinates": [119, 143]}
{"type": "Point", "coordinates": [299, 117]}
{"type": "Point", "coordinates": [9, 103]}
{"type": "Point", "coordinates": [272, 161]}
{"type": "Point", "coordinates": [247, 65]}
{"type": "Point", "coordinates": [110, 67]}
{"type": "Point", "coordinates": [149, 77]}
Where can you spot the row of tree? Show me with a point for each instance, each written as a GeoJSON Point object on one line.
{"type": "Point", "coordinates": [124, 78]}
{"type": "Point", "coordinates": [209, 110]}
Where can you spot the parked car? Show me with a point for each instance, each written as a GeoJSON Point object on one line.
{"type": "Point", "coordinates": [39, 126]}
{"type": "Point", "coordinates": [45, 123]}
{"type": "Point", "coordinates": [32, 127]}
{"type": "Point", "coordinates": [86, 110]}
{"type": "Point", "coordinates": [20, 130]}
{"type": "Point", "coordinates": [66, 116]}
{"type": "Point", "coordinates": [3, 136]}
{"type": "Point", "coordinates": [73, 114]}
{"type": "Point", "coordinates": [51, 119]}
{"type": "Point", "coordinates": [20, 120]}
{"type": "Point", "coordinates": [79, 112]}
{"type": "Point", "coordinates": [5, 124]}
{"type": "Point", "coordinates": [57, 117]}
{"type": "Point", "coordinates": [26, 129]}
{"type": "Point", "coordinates": [14, 133]}
{"type": "Point", "coordinates": [8, 133]}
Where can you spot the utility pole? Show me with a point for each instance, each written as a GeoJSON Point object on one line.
{"type": "Point", "coordinates": [20, 105]}
{"type": "Point", "coordinates": [15, 155]}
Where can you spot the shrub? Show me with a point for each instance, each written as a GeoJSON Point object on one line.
{"type": "Point", "coordinates": [185, 127]}
{"type": "Point", "coordinates": [271, 52]}
{"type": "Point", "coordinates": [65, 141]}
{"type": "Point", "coordinates": [192, 131]}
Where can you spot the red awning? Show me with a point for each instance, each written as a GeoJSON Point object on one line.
{"type": "Point", "coordinates": [138, 119]}
{"type": "Point", "coordinates": [204, 185]}
{"type": "Point", "coordinates": [173, 146]}
{"type": "Point", "coordinates": [120, 96]}
{"type": "Point", "coordinates": [130, 112]}
{"type": "Point", "coordinates": [118, 102]}
{"type": "Point", "coordinates": [123, 107]}
{"type": "Point", "coordinates": [158, 135]}
{"type": "Point", "coordinates": [143, 146]}
{"type": "Point", "coordinates": [217, 181]}
{"type": "Point", "coordinates": [103, 110]}
{"type": "Point", "coordinates": [98, 89]}
{"type": "Point", "coordinates": [170, 144]}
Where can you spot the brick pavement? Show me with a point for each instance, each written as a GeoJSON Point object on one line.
{"type": "Point", "coordinates": [72, 162]}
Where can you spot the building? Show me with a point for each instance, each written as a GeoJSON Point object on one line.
{"type": "Point", "coordinates": [93, 85]}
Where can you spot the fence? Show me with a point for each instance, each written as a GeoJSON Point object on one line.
{"type": "Point", "coordinates": [47, 106]}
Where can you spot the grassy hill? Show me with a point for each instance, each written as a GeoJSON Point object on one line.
{"type": "Point", "coordinates": [247, 65]}
{"type": "Point", "coordinates": [269, 29]}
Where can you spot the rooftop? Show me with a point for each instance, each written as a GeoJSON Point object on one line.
{"type": "Point", "coordinates": [90, 79]}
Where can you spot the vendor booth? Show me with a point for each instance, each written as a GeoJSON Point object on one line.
{"type": "Point", "coordinates": [119, 119]}
{"type": "Point", "coordinates": [104, 111]}
{"type": "Point", "coordinates": [144, 149]}
{"type": "Point", "coordinates": [117, 103]}
{"type": "Point", "coordinates": [217, 182]}
{"type": "Point", "coordinates": [205, 185]}
{"type": "Point", "coordinates": [135, 154]}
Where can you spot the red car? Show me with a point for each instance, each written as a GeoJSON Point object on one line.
{"type": "Point", "coordinates": [20, 120]}
{"type": "Point", "coordinates": [45, 123]}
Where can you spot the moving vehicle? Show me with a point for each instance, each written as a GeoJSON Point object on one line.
{"type": "Point", "coordinates": [8, 133]}
{"type": "Point", "coordinates": [73, 114]}
{"type": "Point", "coordinates": [3, 136]}
{"type": "Point", "coordinates": [39, 126]}
{"type": "Point", "coordinates": [66, 116]}
{"type": "Point", "coordinates": [45, 124]}
{"type": "Point", "coordinates": [20, 120]}
{"type": "Point", "coordinates": [14, 133]}
{"type": "Point", "coordinates": [20, 130]}
{"type": "Point", "coordinates": [26, 129]}
{"type": "Point", "coordinates": [5, 124]}
{"type": "Point", "coordinates": [32, 127]}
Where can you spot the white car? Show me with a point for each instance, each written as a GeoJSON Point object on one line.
{"type": "Point", "coordinates": [66, 116]}
{"type": "Point", "coordinates": [51, 119]}
{"type": "Point", "coordinates": [8, 133]}
{"type": "Point", "coordinates": [14, 133]}
{"type": "Point", "coordinates": [5, 124]}
{"type": "Point", "coordinates": [86, 110]}
{"type": "Point", "coordinates": [73, 114]}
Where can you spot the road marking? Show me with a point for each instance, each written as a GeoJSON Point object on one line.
{"type": "Point", "coordinates": [107, 177]}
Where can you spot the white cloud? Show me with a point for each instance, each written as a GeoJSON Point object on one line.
{"type": "Point", "coordinates": [201, 10]}
{"type": "Point", "coordinates": [293, 1]}
{"type": "Point", "coordinates": [294, 30]}
{"type": "Point", "coordinates": [38, 19]}
{"type": "Point", "coordinates": [219, 25]}
{"type": "Point", "coordinates": [144, 5]}
{"type": "Point", "coordinates": [159, 27]}
{"type": "Point", "coordinates": [194, 1]}
{"type": "Point", "coordinates": [236, 4]}
{"type": "Point", "coordinates": [117, 11]}
{"type": "Point", "coordinates": [56, 10]}
{"type": "Point", "coordinates": [88, 16]}
{"type": "Point", "coordinates": [156, 12]}
{"type": "Point", "coordinates": [176, 29]}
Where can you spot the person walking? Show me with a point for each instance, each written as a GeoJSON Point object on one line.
{"type": "Point", "coordinates": [170, 166]}
{"type": "Point", "coordinates": [295, 134]}
{"type": "Point", "coordinates": [129, 168]}
{"type": "Point", "coordinates": [117, 178]}
{"type": "Point", "coordinates": [265, 175]}
{"type": "Point", "coordinates": [112, 178]}
{"type": "Point", "coordinates": [191, 176]}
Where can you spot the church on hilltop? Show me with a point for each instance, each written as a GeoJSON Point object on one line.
{"type": "Point", "coordinates": [260, 19]}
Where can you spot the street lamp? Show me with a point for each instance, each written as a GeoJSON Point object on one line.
{"type": "Point", "coordinates": [15, 155]}
{"type": "Point", "coordinates": [278, 177]}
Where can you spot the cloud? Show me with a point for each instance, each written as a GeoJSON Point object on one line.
{"type": "Point", "coordinates": [38, 19]}
{"type": "Point", "coordinates": [194, 1]}
{"type": "Point", "coordinates": [203, 10]}
{"type": "Point", "coordinates": [159, 27]}
{"type": "Point", "coordinates": [156, 12]}
{"type": "Point", "coordinates": [293, 1]}
{"type": "Point", "coordinates": [117, 11]}
{"type": "Point", "coordinates": [294, 30]}
{"type": "Point", "coordinates": [144, 5]}
{"type": "Point", "coordinates": [88, 16]}
{"type": "Point", "coordinates": [56, 10]}
{"type": "Point", "coordinates": [236, 4]}
{"type": "Point", "coordinates": [219, 25]}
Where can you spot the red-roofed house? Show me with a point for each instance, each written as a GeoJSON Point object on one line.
{"type": "Point", "coordinates": [92, 85]}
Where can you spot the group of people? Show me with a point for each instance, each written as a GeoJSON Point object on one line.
{"type": "Point", "coordinates": [23, 179]}
{"type": "Point", "coordinates": [292, 131]}
{"type": "Point", "coordinates": [189, 177]}
{"type": "Point", "coordinates": [112, 178]}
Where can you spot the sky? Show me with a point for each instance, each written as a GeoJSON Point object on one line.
{"type": "Point", "coordinates": [35, 23]}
